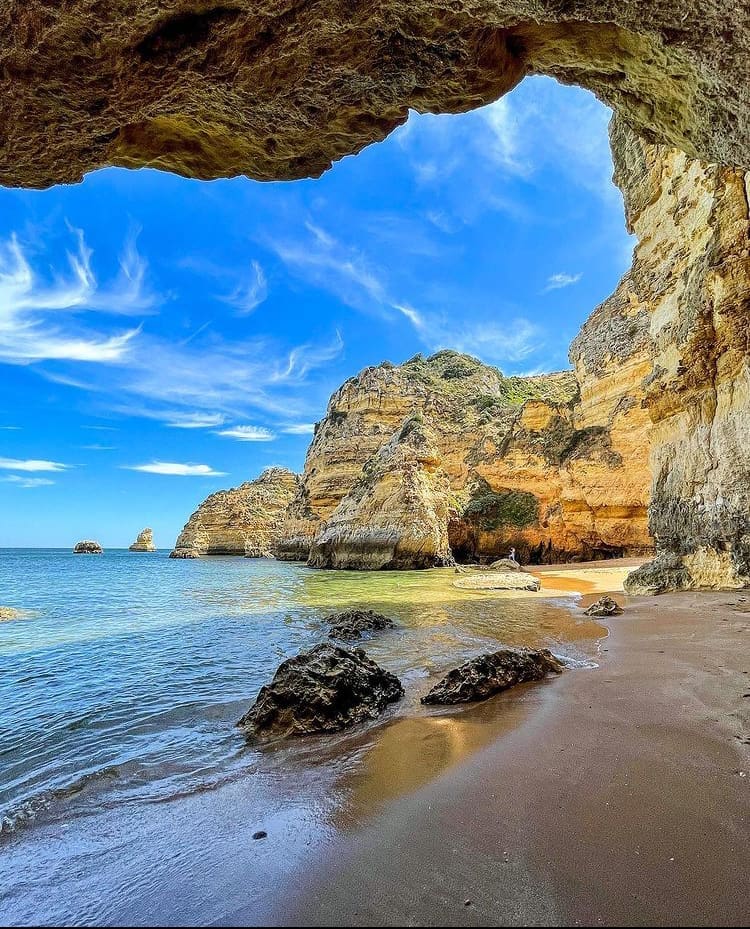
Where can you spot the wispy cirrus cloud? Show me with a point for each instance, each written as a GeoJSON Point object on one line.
{"type": "Point", "coordinates": [299, 429]}
{"type": "Point", "coordinates": [558, 281]}
{"type": "Point", "coordinates": [249, 294]}
{"type": "Point", "coordinates": [31, 464]}
{"type": "Point", "coordinates": [248, 433]}
{"type": "Point", "coordinates": [38, 313]}
{"type": "Point", "coordinates": [26, 482]}
{"type": "Point", "coordinates": [176, 469]}
{"type": "Point", "coordinates": [184, 420]}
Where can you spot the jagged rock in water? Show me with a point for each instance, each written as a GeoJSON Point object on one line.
{"type": "Point", "coordinates": [352, 624]}
{"type": "Point", "coordinates": [245, 520]}
{"type": "Point", "coordinates": [498, 581]}
{"type": "Point", "coordinates": [489, 674]}
{"type": "Point", "coordinates": [323, 690]}
{"type": "Point", "coordinates": [396, 515]}
{"type": "Point", "coordinates": [184, 553]}
{"type": "Point", "coordinates": [526, 467]}
{"type": "Point", "coordinates": [604, 606]}
{"type": "Point", "coordinates": [504, 564]}
{"type": "Point", "coordinates": [88, 547]}
{"type": "Point", "coordinates": [144, 542]}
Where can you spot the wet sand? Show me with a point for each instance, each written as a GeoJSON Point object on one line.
{"type": "Point", "coordinates": [615, 796]}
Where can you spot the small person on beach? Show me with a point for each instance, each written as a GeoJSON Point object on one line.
{"type": "Point", "coordinates": [512, 555]}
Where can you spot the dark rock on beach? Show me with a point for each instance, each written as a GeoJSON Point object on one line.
{"type": "Point", "coordinates": [87, 547]}
{"type": "Point", "coordinates": [322, 690]}
{"type": "Point", "coordinates": [353, 624]}
{"type": "Point", "coordinates": [604, 606]}
{"type": "Point", "coordinates": [488, 674]}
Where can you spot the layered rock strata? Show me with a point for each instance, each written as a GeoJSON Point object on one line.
{"type": "Point", "coordinates": [530, 463]}
{"type": "Point", "coordinates": [396, 513]}
{"type": "Point", "coordinates": [245, 520]}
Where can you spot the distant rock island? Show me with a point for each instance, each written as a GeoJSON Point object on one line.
{"type": "Point", "coordinates": [444, 457]}
{"type": "Point", "coordinates": [88, 547]}
{"type": "Point", "coordinates": [245, 520]}
{"type": "Point", "coordinates": [144, 542]}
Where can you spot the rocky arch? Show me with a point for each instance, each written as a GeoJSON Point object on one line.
{"type": "Point", "coordinates": [278, 89]}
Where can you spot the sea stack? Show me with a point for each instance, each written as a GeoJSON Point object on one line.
{"type": "Point", "coordinates": [144, 542]}
{"type": "Point", "coordinates": [87, 547]}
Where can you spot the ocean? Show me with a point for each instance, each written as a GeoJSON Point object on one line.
{"type": "Point", "coordinates": [127, 794]}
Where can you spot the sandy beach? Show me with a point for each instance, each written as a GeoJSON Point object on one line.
{"type": "Point", "coordinates": [614, 796]}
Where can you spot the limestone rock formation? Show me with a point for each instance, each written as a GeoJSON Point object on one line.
{"type": "Point", "coordinates": [517, 580]}
{"type": "Point", "coordinates": [144, 542]}
{"type": "Point", "coordinates": [88, 547]}
{"type": "Point", "coordinates": [528, 464]}
{"type": "Point", "coordinates": [245, 520]}
{"type": "Point", "coordinates": [184, 553]}
{"type": "Point", "coordinates": [691, 280]}
{"type": "Point", "coordinates": [322, 690]}
{"type": "Point", "coordinates": [353, 624]}
{"type": "Point", "coordinates": [277, 90]}
{"type": "Point", "coordinates": [486, 675]}
{"type": "Point", "coordinates": [396, 514]}
{"type": "Point", "coordinates": [604, 606]}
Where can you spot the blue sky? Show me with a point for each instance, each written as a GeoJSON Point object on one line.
{"type": "Point", "coordinates": [162, 338]}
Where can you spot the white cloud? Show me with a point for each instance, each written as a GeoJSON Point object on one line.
{"type": "Point", "coordinates": [27, 482]}
{"type": "Point", "coordinates": [30, 307]}
{"type": "Point", "coordinates": [509, 341]}
{"type": "Point", "coordinates": [556, 281]}
{"type": "Point", "coordinates": [193, 420]}
{"type": "Point", "coordinates": [100, 448]}
{"type": "Point", "coordinates": [251, 293]}
{"type": "Point", "coordinates": [299, 429]}
{"type": "Point", "coordinates": [31, 464]}
{"type": "Point", "coordinates": [248, 433]}
{"type": "Point", "coordinates": [176, 469]}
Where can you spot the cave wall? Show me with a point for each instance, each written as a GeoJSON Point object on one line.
{"type": "Point", "coordinates": [691, 274]}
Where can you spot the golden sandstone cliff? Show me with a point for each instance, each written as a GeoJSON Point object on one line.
{"type": "Point", "coordinates": [280, 91]}
{"type": "Point", "coordinates": [242, 521]}
{"type": "Point", "coordinates": [517, 462]}
{"type": "Point", "coordinates": [444, 457]}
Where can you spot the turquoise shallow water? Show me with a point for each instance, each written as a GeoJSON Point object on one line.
{"type": "Point", "coordinates": [121, 685]}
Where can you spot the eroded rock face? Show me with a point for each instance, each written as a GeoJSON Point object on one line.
{"type": "Point", "coordinates": [88, 547]}
{"type": "Point", "coordinates": [144, 542]}
{"type": "Point", "coordinates": [323, 690]}
{"type": "Point", "coordinates": [245, 520]}
{"type": "Point", "coordinates": [351, 625]}
{"type": "Point", "coordinates": [396, 514]}
{"type": "Point", "coordinates": [528, 464]}
{"type": "Point", "coordinates": [279, 90]}
{"type": "Point", "coordinates": [486, 675]}
{"type": "Point", "coordinates": [691, 279]}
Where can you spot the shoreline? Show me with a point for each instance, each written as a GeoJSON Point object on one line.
{"type": "Point", "coordinates": [621, 797]}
